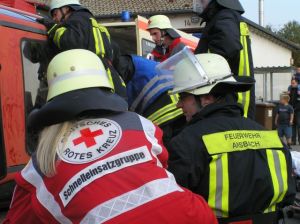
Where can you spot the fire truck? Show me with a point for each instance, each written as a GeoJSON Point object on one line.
{"type": "Point", "coordinates": [23, 64]}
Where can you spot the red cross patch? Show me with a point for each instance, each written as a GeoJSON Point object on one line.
{"type": "Point", "coordinates": [87, 137]}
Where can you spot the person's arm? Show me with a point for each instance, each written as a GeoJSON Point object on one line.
{"type": "Point", "coordinates": [186, 161]}
{"type": "Point", "coordinates": [163, 156]}
{"type": "Point", "coordinates": [291, 115]}
{"type": "Point", "coordinates": [70, 35]}
{"type": "Point", "coordinates": [224, 39]}
{"type": "Point", "coordinates": [276, 119]}
{"type": "Point", "coordinates": [21, 211]}
{"type": "Point", "coordinates": [298, 91]}
{"type": "Point", "coordinates": [289, 89]}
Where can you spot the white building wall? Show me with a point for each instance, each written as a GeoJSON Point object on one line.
{"type": "Point", "coordinates": [269, 54]}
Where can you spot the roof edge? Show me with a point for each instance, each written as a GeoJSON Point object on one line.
{"type": "Point", "coordinates": [289, 44]}
{"type": "Point", "coordinates": [180, 11]}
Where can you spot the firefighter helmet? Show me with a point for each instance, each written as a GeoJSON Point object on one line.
{"type": "Point", "coordinates": [75, 69]}
{"type": "Point", "coordinates": [56, 4]}
{"type": "Point", "coordinates": [162, 22]}
{"type": "Point", "coordinates": [207, 73]}
{"type": "Point", "coordinates": [201, 74]}
{"type": "Point", "coordinates": [78, 86]}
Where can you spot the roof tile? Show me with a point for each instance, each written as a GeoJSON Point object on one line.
{"type": "Point", "coordinates": [115, 7]}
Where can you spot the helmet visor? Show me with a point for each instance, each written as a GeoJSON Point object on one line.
{"type": "Point", "coordinates": [186, 70]}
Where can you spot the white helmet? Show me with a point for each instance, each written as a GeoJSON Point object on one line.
{"type": "Point", "coordinates": [200, 74]}
{"type": "Point", "coordinates": [160, 22]}
{"type": "Point", "coordinates": [56, 4]}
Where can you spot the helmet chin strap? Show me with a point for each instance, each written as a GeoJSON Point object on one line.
{"type": "Point", "coordinates": [162, 38]}
{"type": "Point", "coordinates": [63, 15]}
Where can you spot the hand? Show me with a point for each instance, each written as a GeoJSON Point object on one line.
{"type": "Point", "coordinates": [48, 23]}
{"type": "Point", "coordinates": [291, 123]}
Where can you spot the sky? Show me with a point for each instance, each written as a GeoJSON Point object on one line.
{"type": "Point", "coordinates": [277, 12]}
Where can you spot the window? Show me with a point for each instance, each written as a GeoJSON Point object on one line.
{"type": "Point", "coordinates": [147, 47]}
{"type": "Point", "coordinates": [35, 59]}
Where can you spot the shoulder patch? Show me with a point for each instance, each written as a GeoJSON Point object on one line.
{"type": "Point", "coordinates": [89, 140]}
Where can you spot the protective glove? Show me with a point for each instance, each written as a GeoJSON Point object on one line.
{"type": "Point", "coordinates": [48, 23]}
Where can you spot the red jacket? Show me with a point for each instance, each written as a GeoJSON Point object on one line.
{"type": "Point", "coordinates": [110, 170]}
{"type": "Point", "coordinates": [161, 54]}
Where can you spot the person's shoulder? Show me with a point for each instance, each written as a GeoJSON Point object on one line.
{"type": "Point", "coordinates": [80, 16]}
{"type": "Point", "coordinates": [253, 125]}
{"type": "Point", "coordinates": [290, 107]}
{"type": "Point", "coordinates": [228, 13]}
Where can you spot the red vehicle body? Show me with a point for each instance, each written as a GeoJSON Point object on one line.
{"type": "Point", "coordinates": [16, 28]}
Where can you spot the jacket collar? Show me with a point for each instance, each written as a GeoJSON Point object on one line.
{"type": "Point", "coordinates": [218, 110]}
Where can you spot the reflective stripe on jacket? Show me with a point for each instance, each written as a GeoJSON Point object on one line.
{"type": "Point", "coordinates": [221, 165]}
{"type": "Point", "coordinates": [245, 66]}
{"type": "Point", "coordinates": [239, 168]}
{"type": "Point", "coordinates": [227, 34]}
{"type": "Point", "coordinates": [146, 87]}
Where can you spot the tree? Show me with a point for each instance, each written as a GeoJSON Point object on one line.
{"type": "Point", "coordinates": [291, 32]}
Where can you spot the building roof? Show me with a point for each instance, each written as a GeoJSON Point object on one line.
{"type": "Point", "coordinates": [114, 8]}
{"type": "Point", "coordinates": [279, 69]}
{"type": "Point", "coordinates": [272, 36]}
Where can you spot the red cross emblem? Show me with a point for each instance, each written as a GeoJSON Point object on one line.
{"type": "Point", "coordinates": [87, 137]}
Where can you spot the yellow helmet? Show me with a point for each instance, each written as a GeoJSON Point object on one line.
{"type": "Point", "coordinates": [75, 69]}
{"type": "Point", "coordinates": [160, 22]}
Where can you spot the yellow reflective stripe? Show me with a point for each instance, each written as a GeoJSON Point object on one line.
{"type": "Point", "coordinates": [225, 186]}
{"type": "Point", "coordinates": [247, 66]}
{"type": "Point", "coordinates": [244, 29]}
{"type": "Point", "coordinates": [218, 197]}
{"type": "Point", "coordinates": [122, 82]}
{"type": "Point", "coordinates": [99, 45]}
{"type": "Point", "coordinates": [271, 164]}
{"type": "Point", "coordinates": [58, 34]}
{"type": "Point", "coordinates": [103, 29]}
{"type": "Point", "coordinates": [246, 94]}
{"type": "Point", "coordinates": [97, 48]}
{"type": "Point", "coordinates": [162, 111]}
{"type": "Point", "coordinates": [213, 182]}
{"type": "Point", "coordinates": [244, 66]}
{"type": "Point", "coordinates": [247, 103]}
{"type": "Point", "coordinates": [175, 98]}
{"type": "Point", "coordinates": [278, 171]}
{"type": "Point", "coordinates": [167, 117]}
{"type": "Point", "coordinates": [171, 106]}
{"type": "Point", "coordinates": [49, 31]}
{"type": "Point", "coordinates": [284, 173]}
{"type": "Point", "coordinates": [234, 141]}
{"type": "Point", "coordinates": [110, 78]}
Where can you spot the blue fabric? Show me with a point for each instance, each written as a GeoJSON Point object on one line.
{"type": "Point", "coordinates": [284, 130]}
{"type": "Point", "coordinates": [144, 73]}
